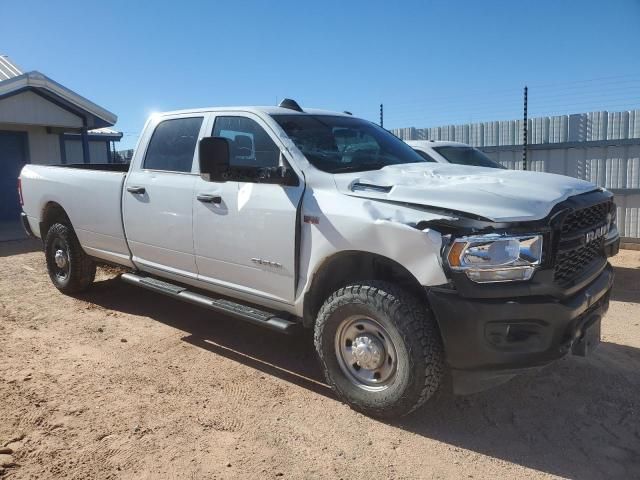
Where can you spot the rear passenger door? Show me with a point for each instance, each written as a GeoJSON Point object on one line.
{"type": "Point", "coordinates": [157, 200]}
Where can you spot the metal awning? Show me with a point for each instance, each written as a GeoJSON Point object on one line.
{"type": "Point", "coordinates": [8, 69]}
{"type": "Point", "coordinates": [92, 115]}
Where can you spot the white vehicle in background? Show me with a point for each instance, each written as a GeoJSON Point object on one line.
{"type": "Point", "coordinates": [290, 218]}
{"type": "Point", "coordinates": [452, 152]}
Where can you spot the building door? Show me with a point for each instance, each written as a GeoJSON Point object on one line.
{"type": "Point", "coordinates": [13, 156]}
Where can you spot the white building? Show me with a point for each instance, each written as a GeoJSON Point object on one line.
{"type": "Point", "coordinates": [44, 122]}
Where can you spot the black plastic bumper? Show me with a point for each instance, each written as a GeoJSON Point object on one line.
{"type": "Point", "coordinates": [612, 245]}
{"type": "Point", "coordinates": [25, 225]}
{"type": "Point", "coordinates": [489, 340]}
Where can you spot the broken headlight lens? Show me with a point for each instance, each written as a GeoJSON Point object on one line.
{"type": "Point", "coordinates": [496, 258]}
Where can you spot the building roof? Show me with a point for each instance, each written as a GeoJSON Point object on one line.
{"type": "Point", "coordinates": [8, 69]}
{"type": "Point", "coordinates": [13, 81]}
{"type": "Point", "coordinates": [107, 132]}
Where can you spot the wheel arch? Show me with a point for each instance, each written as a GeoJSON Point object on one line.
{"type": "Point", "coordinates": [52, 212]}
{"type": "Point", "coordinates": [342, 268]}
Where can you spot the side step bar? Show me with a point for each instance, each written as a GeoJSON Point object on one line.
{"type": "Point", "coordinates": [226, 307]}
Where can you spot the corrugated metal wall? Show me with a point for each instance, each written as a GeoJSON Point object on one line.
{"type": "Point", "coordinates": [580, 127]}
{"type": "Point", "coordinates": [610, 164]}
{"type": "Point", "coordinates": [601, 147]}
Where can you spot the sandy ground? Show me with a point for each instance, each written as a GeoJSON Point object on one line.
{"type": "Point", "coordinates": [124, 383]}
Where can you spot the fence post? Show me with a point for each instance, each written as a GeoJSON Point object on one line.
{"type": "Point", "coordinates": [524, 137]}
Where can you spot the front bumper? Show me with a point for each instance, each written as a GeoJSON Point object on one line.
{"type": "Point", "coordinates": [489, 340]}
{"type": "Point", "coordinates": [612, 243]}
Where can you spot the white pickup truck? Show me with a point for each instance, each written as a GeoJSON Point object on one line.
{"type": "Point", "coordinates": [290, 218]}
{"type": "Point", "coordinates": [440, 151]}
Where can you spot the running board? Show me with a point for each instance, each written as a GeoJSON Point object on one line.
{"type": "Point", "coordinates": [227, 307]}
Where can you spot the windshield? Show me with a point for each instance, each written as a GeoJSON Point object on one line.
{"type": "Point", "coordinates": [467, 156]}
{"type": "Point", "coordinates": [337, 144]}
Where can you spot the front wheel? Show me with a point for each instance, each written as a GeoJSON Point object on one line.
{"type": "Point", "coordinates": [380, 349]}
{"type": "Point", "coordinates": [71, 270]}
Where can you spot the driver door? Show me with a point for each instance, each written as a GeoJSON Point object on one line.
{"type": "Point", "coordinates": [244, 232]}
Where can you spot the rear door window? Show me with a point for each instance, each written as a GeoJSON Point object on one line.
{"type": "Point", "coordinates": [173, 145]}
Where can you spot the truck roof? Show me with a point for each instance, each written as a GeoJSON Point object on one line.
{"type": "Point", "coordinates": [269, 110]}
{"type": "Point", "coordinates": [434, 143]}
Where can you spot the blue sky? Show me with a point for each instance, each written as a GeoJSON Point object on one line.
{"type": "Point", "coordinates": [430, 63]}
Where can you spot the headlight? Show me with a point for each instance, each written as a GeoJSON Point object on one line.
{"type": "Point", "coordinates": [496, 258]}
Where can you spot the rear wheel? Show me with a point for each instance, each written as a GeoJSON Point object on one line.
{"type": "Point", "coordinates": [380, 349]}
{"type": "Point", "coordinates": [71, 270]}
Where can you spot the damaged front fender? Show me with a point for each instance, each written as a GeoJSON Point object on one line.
{"type": "Point", "coordinates": [340, 223]}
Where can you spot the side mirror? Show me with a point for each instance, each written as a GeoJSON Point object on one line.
{"type": "Point", "coordinates": [277, 175]}
{"type": "Point", "coordinates": [214, 159]}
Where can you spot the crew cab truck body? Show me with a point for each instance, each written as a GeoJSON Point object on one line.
{"type": "Point", "coordinates": [290, 218]}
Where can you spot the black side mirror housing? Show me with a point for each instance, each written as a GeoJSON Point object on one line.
{"type": "Point", "coordinates": [277, 175]}
{"type": "Point", "coordinates": [214, 154]}
{"type": "Point", "coordinates": [215, 166]}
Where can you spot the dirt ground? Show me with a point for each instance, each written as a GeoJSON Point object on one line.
{"type": "Point", "coordinates": [124, 383]}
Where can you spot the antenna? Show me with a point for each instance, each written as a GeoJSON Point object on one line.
{"type": "Point", "coordinates": [381, 115]}
{"type": "Point", "coordinates": [290, 104]}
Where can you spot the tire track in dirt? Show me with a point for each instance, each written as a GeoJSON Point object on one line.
{"type": "Point", "coordinates": [187, 394]}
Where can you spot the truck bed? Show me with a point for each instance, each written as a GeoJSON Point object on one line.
{"type": "Point", "coordinates": [109, 167]}
{"type": "Point", "coordinates": [91, 196]}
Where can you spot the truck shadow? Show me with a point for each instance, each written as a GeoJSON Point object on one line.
{"type": "Point", "coordinates": [627, 284]}
{"type": "Point", "coordinates": [18, 247]}
{"type": "Point", "coordinates": [578, 418]}
{"type": "Point", "coordinates": [290, 357]}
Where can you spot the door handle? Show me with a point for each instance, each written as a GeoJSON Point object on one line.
{"type": "Point", "coordinates": [207, 198]}
{"type": "Point", "coordinates": [136, 190]}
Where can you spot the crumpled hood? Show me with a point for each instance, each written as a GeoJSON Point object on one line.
{"type": "Point", "coordinates": [496, 194]}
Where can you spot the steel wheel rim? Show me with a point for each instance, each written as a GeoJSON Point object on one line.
{"type": "Point", "coordinates": [60, 252]}
{"type": "Point", "coordinates": [366, 354]}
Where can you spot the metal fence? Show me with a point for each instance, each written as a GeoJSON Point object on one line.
{"type": "Point", "coordinates": [601, 147]}
{"type": "Point", "coordinates": [612, 164]}
{"type": "Point", "coordinates": [579, 127]}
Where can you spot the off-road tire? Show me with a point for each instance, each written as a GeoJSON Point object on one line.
{"type": "Point", "coordinates": [415, 336]}
{"type": "Point", "coordinates": [81, 268]}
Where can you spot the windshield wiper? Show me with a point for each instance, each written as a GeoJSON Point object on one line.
{"type": "Point", "coordinates": [359, 167]}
